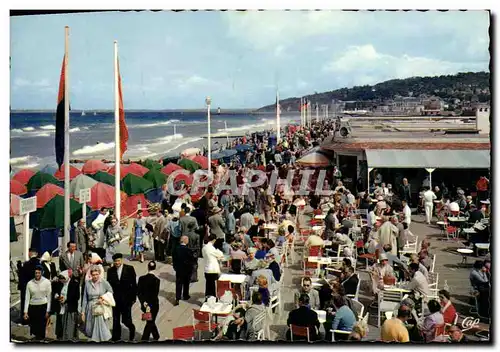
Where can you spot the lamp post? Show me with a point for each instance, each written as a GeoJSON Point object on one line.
{"type": "Point", "coordinates": [208, 101]}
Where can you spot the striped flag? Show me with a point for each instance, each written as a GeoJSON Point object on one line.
{"type": "Point", "coordinates": [123, 125]}
{"type": "Point", "coordinates": [59, 142]}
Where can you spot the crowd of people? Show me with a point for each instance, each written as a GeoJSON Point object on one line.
{"type": "Point", "coordinates": [257, 234]}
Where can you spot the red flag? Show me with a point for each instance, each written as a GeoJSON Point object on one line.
{"type": "Point", "coordinates": [123, 125]}
{"type": "Point", "coordinates": [60, 118]}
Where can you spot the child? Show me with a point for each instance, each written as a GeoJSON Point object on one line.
{"type": "Point", "coordinates": [263, 290]}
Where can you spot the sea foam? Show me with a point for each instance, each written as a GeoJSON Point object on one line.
{"type": "Point", "coordinates": [94, 149]}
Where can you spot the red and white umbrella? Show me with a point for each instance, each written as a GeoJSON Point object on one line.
{"type": "Point", "coordinates": [73, 172]}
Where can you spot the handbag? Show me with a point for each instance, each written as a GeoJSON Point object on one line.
{"type": "Point", "coordinates": [97, 310]}
{"type": "Point", "coordinates": [147, 316]}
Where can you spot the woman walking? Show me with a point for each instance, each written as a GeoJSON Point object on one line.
{"type": "Point", "coordinates": [37, 304]}
{"type": "Point", "coordinates": [70, 296]}
{"type": "Point", "coordinates": [114, 235]}
{"type": "Point", "coordinates": [94, 307]}
{"type": "Point", "coordinates": [138, 244]}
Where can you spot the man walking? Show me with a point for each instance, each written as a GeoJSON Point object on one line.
{"type": "Point", "coordinates": [71, 259]}
{"type": "Point", "coordinates": [160, 236]}
{"type": "Point", "coordinates": [148, 290]}
{"type": "Point", "coordinates": [183, 262]}
{"type": "Point", "coordinates": [189, 226]}
{"type": "Point", "coordinates": [122, 279]}
{"type": "Point", "coordinates": [429, 198]}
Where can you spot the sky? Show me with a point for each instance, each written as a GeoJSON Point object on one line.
{"type": "Point", "coordinates": [173, 60]}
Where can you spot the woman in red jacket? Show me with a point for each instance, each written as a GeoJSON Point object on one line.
{"type": "Point", "coordinates": [447, 309]}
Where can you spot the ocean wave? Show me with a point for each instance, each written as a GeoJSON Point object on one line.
{"type": "Point", "coordinates": [242, 128]}
{"type": "Point", "coordinates": [20, 159]}
{"type": "Point", "coordinates": [76, 129]}
{"type": "Point", "coordinates": [16, 130]}
{"type": "Point", "coordinates": [163, 123]}
{"type": "Point", "coordinates": [94, 149]}
{"type": "Point", "coordinates": [191, 140]}
{"type": "Point", "coordinates": [28, 129]}
{"type": "Point", "coordinates": [168, 139]}
{"type": "Point", "coordinates": [48, 127]}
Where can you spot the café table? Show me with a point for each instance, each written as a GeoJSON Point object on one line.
{"type": "Point", "coordinates": [233, 278]}
{"type": "Point", "coordinates": [321, 315]}
{"type": "Point", "coordinates": [320, 217]}
{"type": "Point", "coordinates": [218, 309]}
{"type": "Point", "coordinates": [395, 288]}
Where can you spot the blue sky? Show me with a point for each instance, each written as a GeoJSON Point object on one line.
{"type": "Point", "coordinates": [173, 60]}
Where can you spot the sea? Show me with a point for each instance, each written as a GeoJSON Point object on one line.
{"type": "Point", "coordinates": [151, 134]}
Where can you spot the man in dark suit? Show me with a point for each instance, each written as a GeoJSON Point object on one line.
{"type": "Point", "coordinates": [148, 290]}
{"type": "Point", "coordinates": [26, 274]}
{"type": "Point", "coordinates": [304, 316]}
{"type": "Point", "coordinates": [189, 226]}
{"type": "Point", "coordinates": [475, 215]}
{"type": "Point", "coordinates": [71, 259]}
{"type": "Point", "coordinates": [183, 262]}
{"type": "Point", "coordinates": [122, 279]}
{"type": "Point", "coordinates": [350, 281]}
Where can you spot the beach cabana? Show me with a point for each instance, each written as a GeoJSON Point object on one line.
{"type": "Point", "coordinates": [73, 172]}
{"type": "Point", "coordinates": [17, 188]}
{"type": "Point", "coordinates": [39, 180]}
{"type": "Point", "coordinates": [49, 169]}
{"type": "Point", "coordinates": [189, 165]}
{"type": "Point", "coordinates": [103, 195]}
{"type": "Point", "coordinates": [201, 160]}
{"type": "Point", "coordinates": [158, 179]}
{"type": "Point", "coordinates": [80, 182]}
{"type": "Point", "coordinates": [46, 193]}
{"type": "Point", "coordinates": [151, 164]}
{"type": "Point", "coordinates": [133, 184]}
{"type": "Point", "coordinates": [137, 169]}
{"type": "Point", "coordinates": [104, 177]}
{"type": "Point", "coordinates": [92, 166]}
{"type": "Point", "coordinates": [23, 176]}
{"type": "Point", "coordinates": [171, 167]}
{"type": "Point", "coordinates": [315, 158]}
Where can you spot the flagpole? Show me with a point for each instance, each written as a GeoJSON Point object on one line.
{"type": "Point", "coordinates": [117, 139]}
{"type": "Point", "coordinates": [278, 122]}
{"type": "Point", "coordinates": [208, 101]}
{"type": "Point", "coordinates": [175, 131]}
{"type": "Point", "coordinates": [227, 134]}
{"type": "Point", "coordinates": [67, 221]}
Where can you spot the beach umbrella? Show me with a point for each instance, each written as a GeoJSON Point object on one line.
{"type": "Point", "coordinates": [201, 160]}
{"type": "Point", "coordinates": [190, 151]}
{"type": "Point", "coordinates": [130, 205]}
{"type": "Point", "coordinates": [133, 184]}
{"type": "Point", "coordinates": [229, 152]}
{"type": "Point", "coordinates": [81, 182]}
{"type": "Point", "coordinates": [52, 214]}
{"type": "Point", "coordinates": [156, 177]}
{"type": "Point", "coordinates": [40, 179]}
{"type": "Point", "coordinates": [46, 193]}
{"type": "Point", "coordinates": [49, 169]}
{"type": "Point", "coordinates": [104, 177]}
{"type": "Point", "coordinates": [137, 169]}
{"type": "Point", "coordinates": [171, 167]}
{"type": "Point", "coordinates": [217, 155]}
{"type": "Point", "coordinates": [92, 166]}
{"type": "Point", "coordinates": [124, 171]}
{"type": "Point", "coordinates": [243, 148]}
{"type": "Point", "coordinates": [314, 159]}
{"type": "Point", "coordinates": [151, 164]}
{"type": "Point", "coordinates": [17, 188]}
{"type": "Point", "coordinates": [23, 176]}
{"type": "Point", "coordinates": [15, 203]}
{"type": "Point", "coordinates": [73, 172]}
{"type": "Point", "coordinates": [189, 165]}
{"type": "Point", "coordinates": [103, 195]}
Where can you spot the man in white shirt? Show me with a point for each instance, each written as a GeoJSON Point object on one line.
{"type": "Point", "coordinates": [98, 225]}
{"type": "Point", "coordinates": [211, 255]}
{"type": "Point", "coordinates": [429, 198]}
{"type": "Point", "coordinates": [406, 213]}
{"type": "Point", "coordinates": [418, 283]}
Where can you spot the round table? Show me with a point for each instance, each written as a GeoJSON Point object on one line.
{"type": "Point", "coordinates": [464, 252]}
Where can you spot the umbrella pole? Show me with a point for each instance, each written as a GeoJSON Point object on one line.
{"type": "Point", "coordinates": [67, 224]}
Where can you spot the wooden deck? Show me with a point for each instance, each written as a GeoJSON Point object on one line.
{"type": "Point", "coordinates": [447, 265]}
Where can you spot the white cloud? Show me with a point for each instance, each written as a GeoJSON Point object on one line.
{"type": "Point", "coordinates": [22, 82]}
{"type": "Point", "coordinates": [365, 65]}
{"type": "Point", "coordinates": [191, 82]}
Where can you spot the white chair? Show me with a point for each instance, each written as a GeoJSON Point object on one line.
{"type": "Point", "coordinates": [433, 263]}
{"type": "Point", "coordinates": [411, 245]}
{"type": "Point", "coordinates": [275, 303]}
{"type": "Point", "coordinates": [356, 295]}
{"type": "Point", "coordinates": [260, 319]}
{"type": "Point", "coordinates": [387, 301]}
{"type": "Point", "coordinates": [359, 308]}
{"type": "Point", "coordinates": [342, 332]}
{"type": "Point", "coordinates": [433, 285]}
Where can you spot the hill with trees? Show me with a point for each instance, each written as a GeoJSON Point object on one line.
{"type": "Point", "coordinates": [466, 86]}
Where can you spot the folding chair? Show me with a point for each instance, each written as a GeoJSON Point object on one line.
{"type": "Point", "coordinates": [410, 246]}
{"type": "Point", "coordinates": [302, 331]}
{"type": "Point", "coordinates": [222, 287]}
{"type": "Point", "coordinates": [433, 285]}
{"type": "Point", "coordinates": [202, 321]}
{"type": "Point", "coordinates": [387, 301]}
{"type": "Point", "coordinates": [184, 333]}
